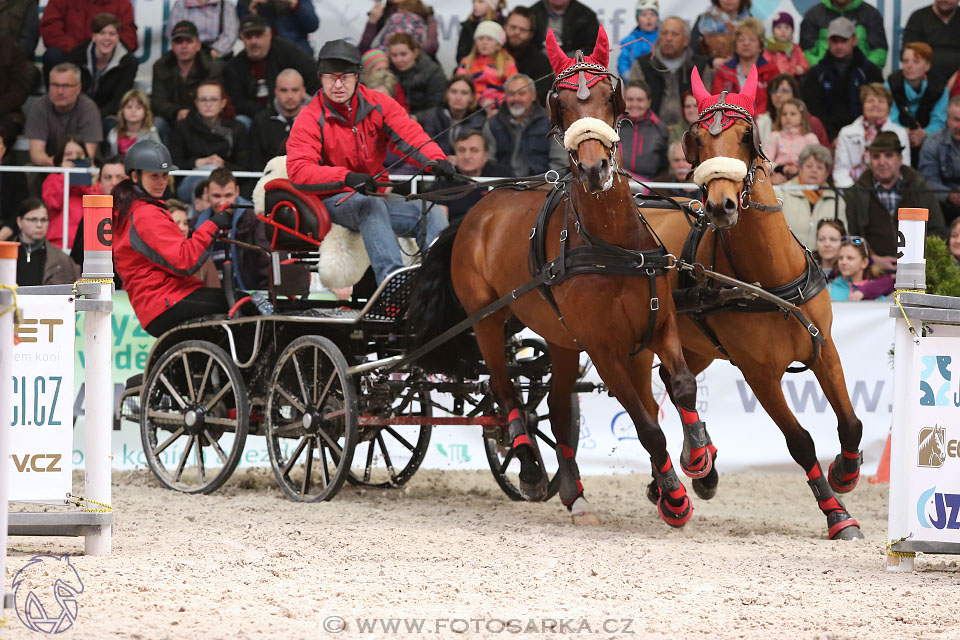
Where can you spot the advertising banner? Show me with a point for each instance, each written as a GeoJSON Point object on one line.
{"type": "Point", "coordinates": [745, 435]}
{"type": "Point", "coordinates": [41, 427]}
{"type": "Point", "coordinates": [933, 441]}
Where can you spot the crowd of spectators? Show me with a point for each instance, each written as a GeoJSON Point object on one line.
{"type": "Point", "coordinates": [238, 73]}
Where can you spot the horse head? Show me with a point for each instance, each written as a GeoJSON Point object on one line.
{"type": "Point", "coordinates": [724, 148]}
{"type": "Point", "coordinates": [586, 111]}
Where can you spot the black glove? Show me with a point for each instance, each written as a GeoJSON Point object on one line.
{"type": "Point", "coordinates": [223, 219]}
{"type": "Point", "coordinates": [444, 169]}
{"type": "Point", "coordinates": [361, 182]}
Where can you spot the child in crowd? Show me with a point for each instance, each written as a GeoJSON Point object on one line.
{"type": "Point", "coordinates": [482, 10]}
{"type": "Point", "coordinates": [830, 233]}
{"type": "Point", "coordinates": [640, 41]}
{"type": "Point", "coordinates": [858, 279]}
{"type": "Point", "coordinates": [782, 51]}
{"type": "Point", "coordinates": [375, 60]}
{"type": "Point", "coordinates": [411, 18]}
{"type": "Point", "coordinates": [488, 63]}
{"type": "Point", "coordinates": [791, 133]}
{"type": "Point", "coordinates": [134, 123]}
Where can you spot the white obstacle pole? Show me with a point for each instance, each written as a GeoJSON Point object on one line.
{"type": "Point", "coordinates": [98, 334]}
{"type": "Point", "coordinates": [8, 277]}
{"type": "Point", "coordinates": [911, 274]}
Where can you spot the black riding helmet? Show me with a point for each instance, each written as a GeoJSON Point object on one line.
{"type": "Point", "coordinates": [148, 155]}
{"type": "Point", "coordinates": [338, 56]}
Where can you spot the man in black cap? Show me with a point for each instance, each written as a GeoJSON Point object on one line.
{"type": "Point", "coordinates": [176, 76]}
{"type": "Point", "coordinates": [883, 189]}
{"type": "Point", "coordinates": [337, 146]}
{"type": "Point", "coordinates": [250, 77]}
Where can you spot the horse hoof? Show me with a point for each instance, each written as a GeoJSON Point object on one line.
{"type": "Point", "coordinates": [534, 492]}
{"type": "Point", "coordinates": [843, 527]}
{"type": "Point", "coordinates": [676, 517]}
{"type": "Point", "coordinates": [837, 483]}
{"type": "Point", "coordinates": [700, 470]}
{"type": "Point", "coordinates": [582, 514]}
{"type": "Point", "coordinates": [586, 520]}
{"type": "Point", "coordinates": [653, 492]}
{"type": "Point", "coordinates": [706, 487]}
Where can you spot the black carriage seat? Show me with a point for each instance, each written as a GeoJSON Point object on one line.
{"type": "Point", "coordinates": [295, 220]}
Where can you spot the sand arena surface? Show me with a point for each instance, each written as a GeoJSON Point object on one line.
{"type": "Point", "coordinates": [247, 563]}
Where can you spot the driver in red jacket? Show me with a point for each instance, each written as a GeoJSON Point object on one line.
{"type": "Point", "coordinates": [339, 141]}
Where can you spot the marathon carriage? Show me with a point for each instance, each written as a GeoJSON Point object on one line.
{"type": "Point", "coordinates": [315, 379]}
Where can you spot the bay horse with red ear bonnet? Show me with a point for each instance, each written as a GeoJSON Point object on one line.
{"type": "Point", "coordinates": [604, 287]}
{"type": "Point", "coordinates": [748, 239]}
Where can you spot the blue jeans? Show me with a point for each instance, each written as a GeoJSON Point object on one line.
{"type": "Point", "coordinates": [380, 220]}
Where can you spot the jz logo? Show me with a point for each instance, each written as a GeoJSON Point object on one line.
{"type": "Point", "coordinates": [946, 507]}
{"type": "Point", "coordinates": [932, 392]}
{"type": "Point", "coordinates": [28, 462]}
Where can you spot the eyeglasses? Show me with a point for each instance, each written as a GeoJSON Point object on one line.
{"type": "Point", "coordinates": [342, 78]}
{"type": "Point", "coordinates": [854, 240]}
{"type": "Point", "coordinates": [208, 100]}
{"type": "Point", "coordinates": [37, 220]}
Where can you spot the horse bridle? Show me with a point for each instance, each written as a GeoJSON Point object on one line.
{"type": "Point", "coordinates": [715, 119]}
{"type": "Point", "coordinates": [581, 68]}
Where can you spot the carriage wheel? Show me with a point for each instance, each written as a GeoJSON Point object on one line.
{"type": "Point", "coordinates": [193, 418]}
{"type": "Point", "coordinates": [534, 361]}
{"type": "Point", "coordinates": [394, 453]}
{"type": "Point", "coordinates": [311, 419]}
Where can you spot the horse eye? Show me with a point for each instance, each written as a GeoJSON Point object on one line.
{"type": "Point", "coordinates": [747, 138]}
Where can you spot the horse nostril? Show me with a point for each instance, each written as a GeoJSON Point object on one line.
{"type": "Point", "coordinates": [582, 168]}
{"type": "Point", "coordinates": [729, 205]}
{"type": "Point", "coordinates": [604, 165]}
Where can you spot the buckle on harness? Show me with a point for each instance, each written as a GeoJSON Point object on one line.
{"type": "Point", "coordinates": [554, 179]}
{"type": "Point", "coordinates": [533, 232]}
{"type": "Point", "coordinates": [563, 235]}
{"type": "Point", "coordinates": [654, 303]}
{"type": "Point", "coordinates": [671, 261]}
{"type": "Point", "coordinates": [814, 331]}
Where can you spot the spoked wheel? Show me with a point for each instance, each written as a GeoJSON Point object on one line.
{"type": "Point", "coordinates": [193, 417]}
{"type": "Point", "coordinates": [311, 419]}
{"type": "Point", "coordinates": [534, 364]}
{"type": "Point", "coordinates": [388, 456]}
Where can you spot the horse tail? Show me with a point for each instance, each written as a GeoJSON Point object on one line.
{"type": "Point", "coordinates": [434, 307]}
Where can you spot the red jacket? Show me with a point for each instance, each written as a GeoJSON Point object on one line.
{"type": "Point", "coordinates": [66, 23]}
{"type": "Point", "coordinates": [725, 79]}
{"type": "Point", "coordinates": [52, 195]}
{"type": "Point", "coordinates": [329, 141]}
{"type": "Point", "coordinates": [154, 259]}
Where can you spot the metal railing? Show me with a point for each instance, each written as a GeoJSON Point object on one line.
{"type": "Point", "coordinates": [415, 185]}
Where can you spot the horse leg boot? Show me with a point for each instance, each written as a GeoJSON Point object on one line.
{"type": "Point", "coordinates": [844, 471]}
{"type": "Point", "coordinates": [673, 505]}
{"type": "Point", "coordinates": [565, 368]}
{"type": "Point", "coordinates": [696, 458]}
{"type": "Point", "coordinates": [533, 480]}
{"type": "Point", "coordinates": [840, 524]}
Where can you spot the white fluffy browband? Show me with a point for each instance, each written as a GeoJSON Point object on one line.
{"type": "Point", "coordinates": [589, 129]}
{"type": "Point", "coordinates": [720, 167]}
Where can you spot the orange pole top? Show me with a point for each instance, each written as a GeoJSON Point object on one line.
{"type": "Point", "coordinates": [903, 214]}
{"type": "Point", "coordinates": [8, 250]}
{"type": "Point", "coordinates": [90, 201]}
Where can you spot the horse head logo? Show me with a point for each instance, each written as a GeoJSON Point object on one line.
{"type": "Point", "coordinates": [931, 449]}
{"type": "Point", "coordinates": [45, 593]}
